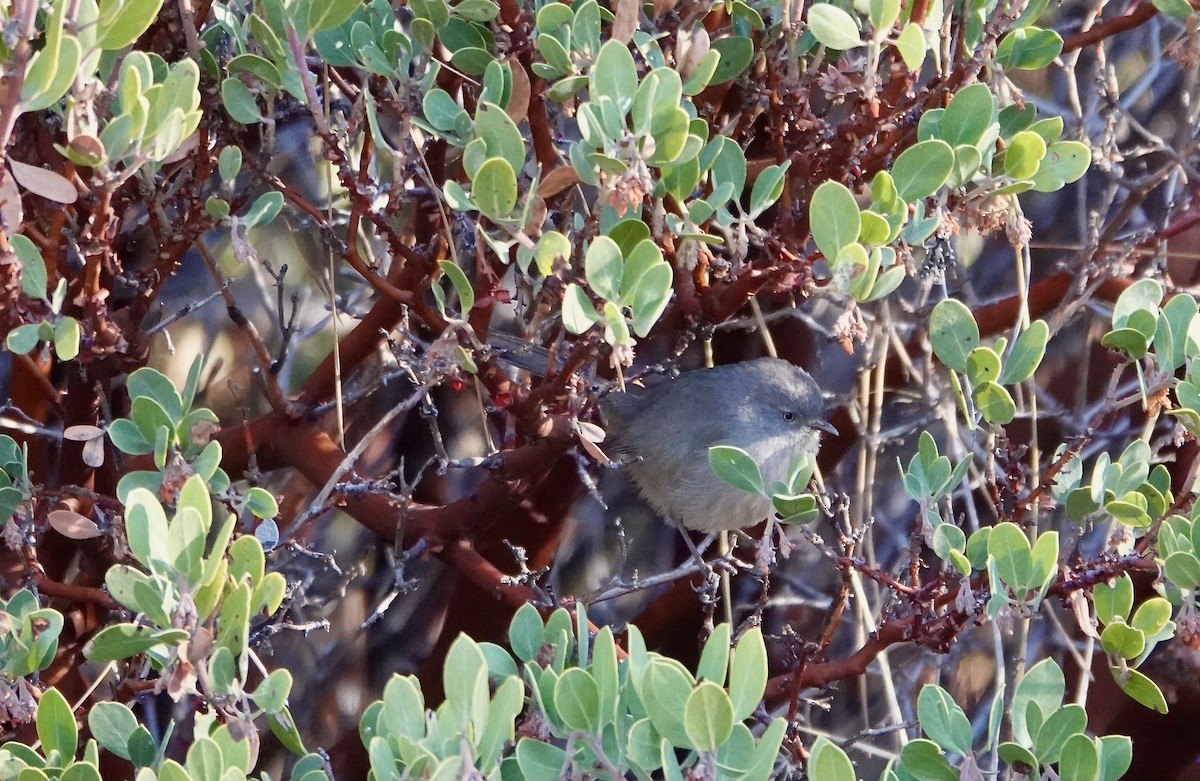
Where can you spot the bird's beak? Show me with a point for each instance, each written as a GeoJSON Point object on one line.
{"type": "Point", "coordinates": [822, 425]}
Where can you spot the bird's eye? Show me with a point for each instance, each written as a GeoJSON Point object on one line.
{"type": "Point", "coordinates": [789, 416]}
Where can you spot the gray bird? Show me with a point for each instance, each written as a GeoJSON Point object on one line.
{"type": "Point", "coordinates": [767, 407]}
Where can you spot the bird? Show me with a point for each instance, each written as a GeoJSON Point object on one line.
{"type": "Point", "coordinates": [768, 407]}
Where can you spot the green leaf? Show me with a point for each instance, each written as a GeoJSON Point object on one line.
{"type": "Point", "coordinates": [1043, 686]}
{"type": "Point", "coordinates": [1059, 726]}
{"type": "Point", "coordinates": [1180, 9]}
{"type": "Point", "coordinates": [995, 403]}
{"type": "Point", "coordinates": [953, 333]}
{"type": "Point", "coordinates": [983, 365]}
{"type": "Point", "coordinates": [1133, 343]}
{"type": "Point", "coordinates": [558, 62]}
{"type": "Point", "coordinates": [1120, 639]}
{"type": "Point", "coordinates": [670, 133]}
{"type": "Point", "coordinates": [56, 726]}
{"type": "Point", "coordinates": [121, 22]}
{"type": "Point", "coordinates": [829, 762]}
{"type": "Point", "coordinates": [262, 69]}
{"type": "Point", "coordinates": [1143, 295]}
{"type": "Point", "coordinates": [766, 752]}
{"type": "Point", "coordinates": [796, 508]}
{"type": "Point", "coordinates": [265, 208]}
{"type": "Point", "coordinates": [875, 229]}
{"type": "Point", "coordinates": [551, 246]}
{"type": "Point", "coordinates": [577, 699]}
{"type": "Point", "coordinates": [462, 285]}
{"type": "Point", "coordinates": [204, 759]}
{"type": "Point", "coordinates": [748, 673]}
{"type": "Point", "coordinates": [477, 10]}
{"type": "Point", "coordinates": [24, 338]}
{"type": "Point", "coordinates": [833, 27]}
{"type": "Point", "coordinates": [714, 659]}
{"type": "Point", "coordinates": [1152, 617]}
{"type": "Point", "coordinates": [1079, 759]}
{"type": "Point", "coordinates": [708, 716]}
{"type": "Point", "coordinates": [111, 723]}
{"type": "Point", "coordinates": [494, 189]}
{"type": "Point", "coordinates": [185, 546]}
{"type": "Point", "coordinates": [327, 14]}
{"type": "Point", "coordinates": [271, 695]}
{"type": "Point", "coordinates": [883, 14]}
{"type": "Point", "coordinates": [1026, 353]}
{"type": "Point", "coordinates": [1024, 155]}
{"type": "Point", "coordinates": [614, 75]}
{"type": "Point", "coordinates": [1140, 688]}
{"type": "Point", "coordinates": [234, 624]}
{"type": "Point", "coordinates": [66, 338]}
{"type": "Point", "coordinates": [923, 760]}
{"type": "Point", "coordinates": [1176, 322]}
{"type": "Point", "coordinates": [1116, 755]}
{"type": "Point", "coordinates": [239, 103]}
{"type": "Point", "coordinates": [216, 207]}
{"type": "Point", "coordinates": [1010, 548]}
{"type": "Point", "coordinates": [968, 115]}
{"type": "Point", "coordinates": [441, 110]}
{"type": "Point", "coordinates": [736, 467]}
{"type": "Point", "coordinates": [1050, 128]}
{"type": "Point", "coordinates": [650, 297]}
{"type": "Point", "coordinates": [1015, 754]}
{"type": "Point", "coordinates": [912, 46]}
{"type": "Point", "coordinates": [146, 528]}
{"type": "Point", "coordinates": [736, 52]}
{"type": "Point", "coordinates": [1014, 119]}
{"type": "Point", "coordinates": [33, 268]}
{"type": "Point", "coordinates": [261, 503]}
{"type": "Point", "coordinates": [922, 168]}
{"type": "Point", "coordinates": [702, 73]}
{"type": "Point", "coordinates": [121, 641]}
{"type": "Point", "coordinates": [603, 267]}
{"type": "Point", "coordinates": [942, 720]}
{"type": "Point", "coordinates": [140, 592]}
{"type": "Point", "coordinates": [1065, 162]}
{"type": "Point", "coordinates": [578, 313]}
{"type": "Point", "coordinates": [1028, 48]}
{"type": "Point", "coordinates": [834, 218]}
{"type": "Point", "coordinates": [664, 689]}
{"type": "Point", "coordinates": [539, 760]}
{"type": "Point", "coordinates": [1113, 600]}
{"type": "Point", "coordinates": [500, 135]}
{"type": "Point", "coordinates": [767, 188]}
{"type": "Point", "coordinates": [404, 707]}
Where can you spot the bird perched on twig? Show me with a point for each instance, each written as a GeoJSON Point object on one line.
{"type": "Point", "coordinates": [767, 407]}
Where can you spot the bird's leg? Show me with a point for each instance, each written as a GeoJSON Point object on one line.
{"type": "Point", "coordinates": [698, 551]}
{"type": "Point", "coordinates": [708, 590]}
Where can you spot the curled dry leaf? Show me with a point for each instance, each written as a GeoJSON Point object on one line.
{"type": "Point", "coordinates": [537, 215]}
{"type": "Point", "coordinates": [625, 20]}
{"type": "Point", "coordinates": [86, 150]}
{"type": "Point", "coordinates": [202, 431]}
{"type": "Point", "coordinates": [690, 48]}
{"type": "Point", "coordinates": [1083, 616]}
{"type": "Point", "coordinates": [558, 180]}
{"type": "Point", "coordinates": [518, 99]}
{"type": "Point", "coordinates": [73, 525]}
{"type": "Point", "coordinates": [82, 433]}
{"type": "Point", "coordinates": [93, 452]}
{"type": "Point", "coordinates": [185, 150]}
{"type": "Point", "coordinates": [590, 435]}
{"type": "Point", "coordinates": [93, 437]}
{"type": "Point", "coordinates": [39, 181]}
{"type": "Point", "coordinates": [11, 213]}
